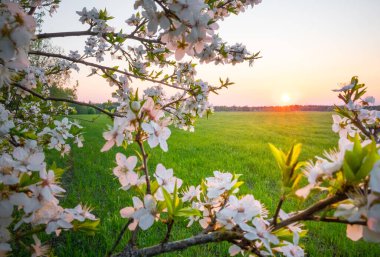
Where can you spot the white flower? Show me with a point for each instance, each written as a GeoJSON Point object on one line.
{"type": "Point", "coordinates": [342, 126]}
{"type": "Point", "coordinates": [291, 250]}
{"type": "Point", "coordinates": [226, 218]}
{"type": "Point", "coordinates": [259, 232]}
{"type": "Point", "coordinates": [220, 183]}
{"type": "Point", "coordinates": [369, 100]}
{"type": "Point", "coordinates": [124, 171]}
{"type": "Point", "coordinates": [116, 134]}
{"type": "Point", "coordinates": [246, 208]}
{"type": "Point", "coordinates": [48, 187]}
{"type": "Point", "coordinates": [350, 211]}
{"type": "Point", "coordinates": [53, 215]}
{"type": "Point", "coordinates": [166, 180]}
{"type": "Point", "coordinates": [192, 193]}
{"type": "Point", "coordinates": [8, 175]}
{"type": "Point", "coordinates": [63, 221]}
{"type": "Point", "coordinates": [158, 134]}
{"type": "Point", "coordinates": [5, 123]}
{"type": "Point", "coordinates": [344, 87]}
{"type": "Point", "coordinates": [81, 213]}
{"type": "Point", "coordinates": [29, 203]}
{"type": "Point", "coordinates": [39, 249]}
{"type": "Point", "coordinates": [150, 109]}
{"type": "Point", "coordinates": [143, 214]}
{"type": "Point", "coordinates": [28, 159]}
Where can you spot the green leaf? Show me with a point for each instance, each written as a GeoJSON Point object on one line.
{"type": "Point", "coordinates": [187, 212]}
{"type": "Point", "coordinates": [168, 201]}
{"type": "Point", "coordinates": [58, 172]}
{"type": "Point", "coordinates": [88, 226]}
{"type": "Point", "coordinates": [368, 161]}
{"type": "Point", "coordinates": [347, 171]}
{"type": "Point", "coordinates": [153, 187]}
{"type": "Point", "coordinates": [278, 155]}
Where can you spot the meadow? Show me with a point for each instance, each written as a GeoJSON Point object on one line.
{"type": "Point", "coordinates": [236, 142]}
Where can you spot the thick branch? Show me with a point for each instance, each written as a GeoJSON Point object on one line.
{"type": "Point", "coordinates": [336, 220]}
{"type": "Point", "coordinates": [91, 33]}
{"type": "Point", "coordinates": [309, 212]}
{"type": "Point", "coordinates": [57, 99]}
{"type": "Point", "coordinates": [183, 244]}
{"type": "Point", "coordinates": [102, 67]}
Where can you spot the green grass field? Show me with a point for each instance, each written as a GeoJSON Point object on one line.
{"type": "Point", "coordinates": [236, 142]}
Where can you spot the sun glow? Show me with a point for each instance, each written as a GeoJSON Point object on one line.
{"type": "Point", "coordinates": [285, 99]}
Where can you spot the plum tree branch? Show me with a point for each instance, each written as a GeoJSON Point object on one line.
{"type": "Point", "coordinates": [277, 212]}
{"type": "Point", "coordinates": [145, 163]}
{"type": "Point", "coordinates": [57, 99]}
{"type": "Point", "coordinates": [309, 212]}
{"type": "Point", "coordinates": [182, 244]}
{"type": "Point", "coordinates": [336, 220]}
{"type": "Point", "coordinates": [120, 236]}
{"type": "Point", "coordinates": [91, 33]}
{"type": "Point", "coordinates": [102, 67]}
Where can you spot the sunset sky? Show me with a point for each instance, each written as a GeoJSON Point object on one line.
{"type": "Point", "coordinates": [308, 47]}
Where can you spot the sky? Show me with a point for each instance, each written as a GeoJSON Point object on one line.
{"type": "Point", "coordinates": [308, 47]}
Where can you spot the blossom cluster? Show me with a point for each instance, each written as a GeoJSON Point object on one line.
{"type": "Point", "coordinates": [215, 205]}
{"type": "Point", "coordinates": [354, 165]}
{"type": "Point", "coordinates": [29, 185]}
{"type": "Point", "coordinates": [164, 29]}
{"type": "Point", "coordinates": [29, 197]}
{"type": "Point", "coordinates": [352, 170]}
{"type": "Point", "coordinates": [16, 31]}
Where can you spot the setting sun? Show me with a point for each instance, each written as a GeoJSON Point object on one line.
{"type": "Point", "coordinates": [285, 99]}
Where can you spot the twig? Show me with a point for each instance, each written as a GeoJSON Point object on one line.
{"type": "Point", "coordinates": [57, 99]}
{"type": "Point", "coordinates": [103, 68]}
{"type": "Point", "coordinates": [91, 33]}
{"type": "Point", "coordinates": [32, 10]}
{"type": "Point", "coordinates": [120, 236]}
{"type": "Point", "coordinates": [275, 216]}
{"type": "Point", "coordinates": [145, 165]}
{"type": "Point", "coordinates": [167, 235]}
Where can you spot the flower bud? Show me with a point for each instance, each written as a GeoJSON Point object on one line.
{"type": "Point", "coordinates": [135, 106]}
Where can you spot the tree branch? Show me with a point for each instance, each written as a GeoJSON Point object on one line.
{"type": "Point", "coordinates": [120, 236]}
{"type": "Point", "coordinates": [57, 99]}
{"type": "Point", "coordinates": [336, 220]}
{"type": "Point", "coordinates": [167, 235]}
{"type": "Point", "coordinates": [32, 10]}
{"type": "Point", "coordinates": [91, 33]}
{"type": "Point", "coordinates": [275, 216]}
{"type": "Point", "coordinates": [103, 68]}
{"type": "Point", "coordinates": [306, 214]}
{"type": "Point", "coordinates": [183, 244]}
{"type": "Point", "coordinates": [145, 165]}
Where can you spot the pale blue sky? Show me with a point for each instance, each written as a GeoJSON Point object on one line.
{"type": "Point", "coordinates": [308, 46]}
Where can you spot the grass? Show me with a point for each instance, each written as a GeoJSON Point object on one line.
{"type": "Point", "coordinates": [236, 142]}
